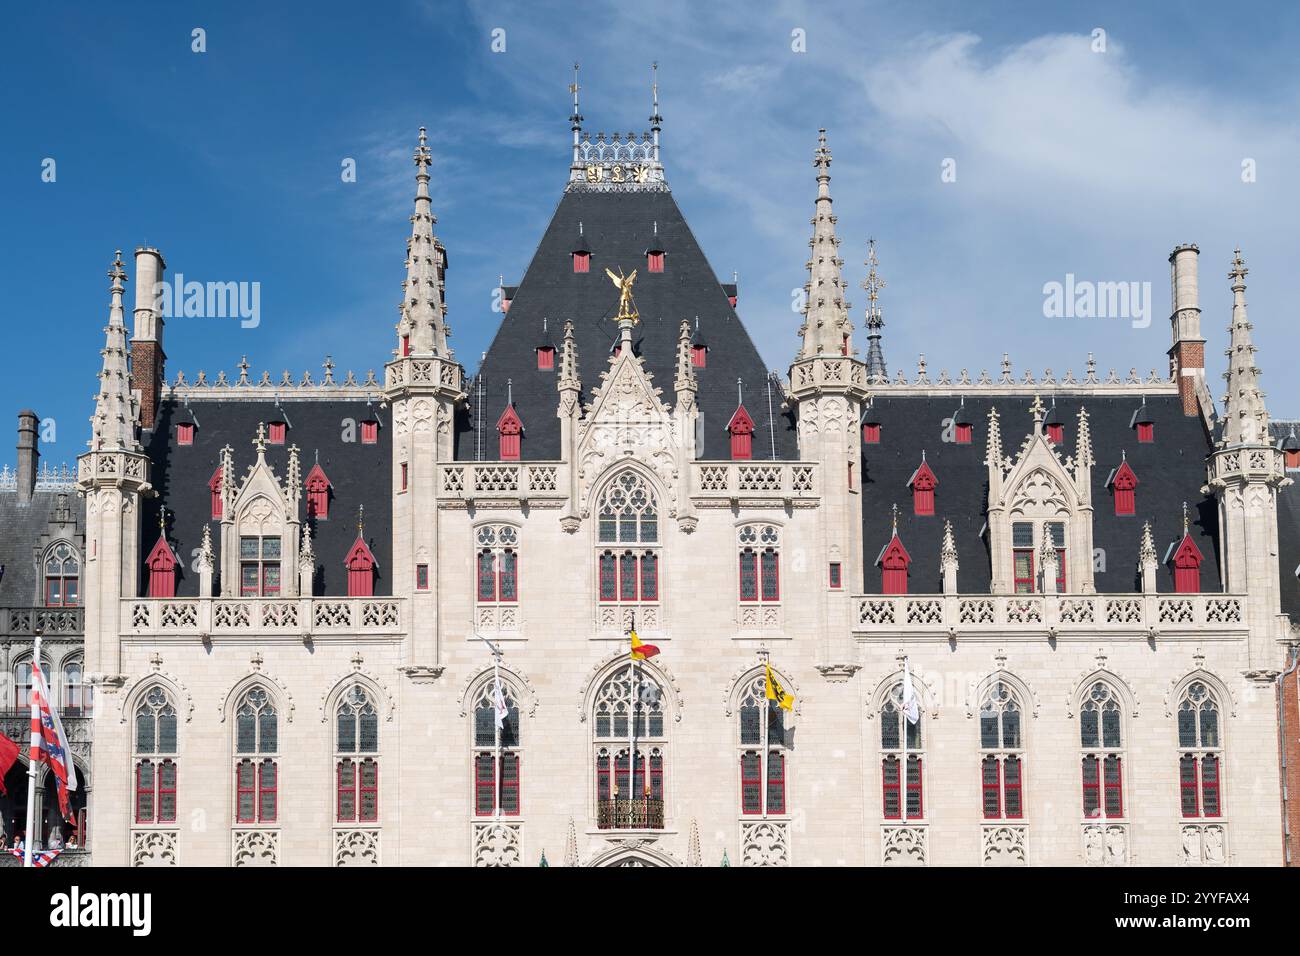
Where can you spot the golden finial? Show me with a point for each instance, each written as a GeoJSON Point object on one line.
{"type": "Point", "coordinates": [895, 511]}
{"type": "Point", "coordinates": [626, 306]}
{"type": "Point", "coordinates": [1185, 523]}
{"type": "Point", "coordinates": [361, 520]}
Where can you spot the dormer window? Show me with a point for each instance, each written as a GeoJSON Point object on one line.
{"type": "Point", "coordinates": [276, 432]}
{"type": "Point", "coordinates": [360, 563]}
{"type": "Point", "coordinates": [922, 484]}
{"type": "Point", "coordinates": [700, 356]}
{"type": "Point", "coordinates": [963, 433]}
{"type": "Point", "coordinates": [654, 260]}
{"type": "Point", "coordinates": [509, 428]}
{"type": "Point", "coordinates": [871, 433]}
{"type": "Point", "coordinates": [369, 432]}
{"type": "Point", "coordinates": [162, 570]}
{"type": "Point", "coordinates": [318, 493]}
{"type": "Point", "coordinates": [741, 430]}
{"type": "Point", "coordinates": [893, 561]}
{"type": "Point", "coordinates": [1146, 432]}
{"type": "Point", "coordinates": [185, 433]}
{"type": "Point", "coordinates": [1056, 433]}
{"type": "Point", "coordinates": [259, 566]}
{"type": "Point", "coordinates": [1022, 556]}
{"type": "Point", "coordinates": [214, 486]}
{"type": "Point", "coordinates": [1186, 558]}
{"type": "Point", "coordinates": [1123, 483]}
{"type": "Point", "coordinates": [545, 358]}
{"type": "Point", "coordinates": [582, 261]}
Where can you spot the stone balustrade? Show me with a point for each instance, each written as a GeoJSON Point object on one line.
{"type": "Point", "coordinates": [723, 481]}
{"type": "Point", "coordinates": [504, 480]}
{"type": "Point", "coordinates": [304, 617]}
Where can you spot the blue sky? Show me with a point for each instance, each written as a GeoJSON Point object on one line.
{"type": "Point", "coordinates": [1068, 161]}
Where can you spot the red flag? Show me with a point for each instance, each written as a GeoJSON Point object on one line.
{"type": "Point", "coordinates": [8, 756]}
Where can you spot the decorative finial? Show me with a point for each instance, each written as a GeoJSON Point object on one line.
{"type": "Point", "coordinates": [162, 522]}
{"type": "Point", "coordinates": [894, 509]}
{"type": "Point", "coordinates": [117, 273]}
{"type": "Point", "coordinates": [1239, 269]}
{"type": "Point", "coordinates": [260, 441]}
{"type": "Point", "coordinates": [1185, 523]}
{"type": "Point", "coordinates": [361, 520]}
{"type": "Point", "coordinates": [1037, 410]}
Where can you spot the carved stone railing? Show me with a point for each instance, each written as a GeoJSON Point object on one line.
{"type": "Point", "coordinates": [263, 616]}
{"type": "Point", "coordinates": [65, 858]}
{"type": "Point", "coordinates": [1048, 613]}
{"type": "Point", "coordinates": [505, 481]}
{"type": "Point", "coordinates": [718, 483]}
{"type": "Point", "coordinates": [79, 728]}
{"type": "Point", "coordinates": [23, 621]}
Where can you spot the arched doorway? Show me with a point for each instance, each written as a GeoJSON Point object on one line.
{"type": "Point", "coordinates": [51, 829]}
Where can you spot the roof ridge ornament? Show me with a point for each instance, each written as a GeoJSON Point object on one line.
{"type": "Point", "coordinates": [617, 163]}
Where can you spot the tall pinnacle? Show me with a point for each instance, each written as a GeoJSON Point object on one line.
{"type": "Point", "coordinates": [113, 424]}
{"type": "Point", "coordinates": [424, 312]}
{"type": "Point", "coordinates": [826, 327]}
{"type": "Point", "coordinates": [1245, 418]}
{"type": "Point", "coordinates": [876, 370]}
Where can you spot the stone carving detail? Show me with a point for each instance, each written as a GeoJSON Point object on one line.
{"type": "Point", "coordinates": [496, 844]}
{"type": "Point", "coordinates": [976, 611]}
{"type": "Point", "coordinates": [876, 611]}
{"type": "Point", "coordinates": [1005, 845]}
{"type": "Point", "coordinates": [1123, 611]}
{"type": "Point", "coordinates": [257, 848]}
{"type": "Point", "coordinates": [1040, 494]}
{"type": "Point", "coordinates": [1176, 611]}
{"type": "Point", "coordinates": [765, 844]}
{"type": "Point", "coordinates": [1105, 844]}
{"type": "Point", "coordinates": [904, 846]}
{"type": "Point", "coordinates": [154, 848]}
{"type": "Point", "coordinates": [1205, 844]}
{"type": "Point", "coordinates": [356, 847]}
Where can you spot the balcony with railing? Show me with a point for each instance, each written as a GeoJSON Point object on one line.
{"type": "Point", "coordinates": [23, 621]}
{"type": "Point", "coordinates": [306, 617]}
{"type": "Point", "coordinates": [721, 482]}
{"type": "Point", "coordinates": [1048, 614]}
{"type": "Point", "coordinates": [502, 480]}
{"type": "Point", "coordinates": [643, 813]}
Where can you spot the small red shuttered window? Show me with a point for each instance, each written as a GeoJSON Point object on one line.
{"type": "Point", "coordinates": [1187, 567]}
{"type": "Point", "coordinates": [185, 434]}
{"type": "Point", "coordinates": [360, 563]}
{"type": "Point", "coordinates": [162, 570]}
{"type": "Point", "coordinates": [741, 430]}
{"type": "Point", "coordinates": [1123, 485]}
{"type": "Point", "coordinates": [654, 261]}
{"type": "Point", "coordinates": [318, 493]}
{"type": "Point", "coordinates": [922, 484]}
{"type": "Point", "coordinates": [509, 429]}
{"type": "Point", "coordinates": [894, 561]}
{"type": "Point", "coordinates": [214, 486]}
{"type": "Point", "coordinates": [582, 262]}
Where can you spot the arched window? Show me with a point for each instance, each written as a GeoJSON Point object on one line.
{"type": "Point", "coordinates": [899, 736]}
{"type": "Point", "coordinates": [23, 683]}
{"type": "Point", "coordinates": [922, 483]}
{"type": "Point", "coordinates": [496, 751]}
{"type": "Point", "coordinates": [760, 562]}
{"type": "Point", "coordinates": [62, 577]}
{"type": "Point", "coordinates": [360, 562]}
{"type": "Point", "coordinates": [628, 531]}
{"type": "Point", "coordinates": [1002, 766]}
{"type": "Point", "coordinates": [356, 757]}
{"type": "Point", "coordinates": [497, 563]}
{"type": "Point", "coordinates": [1199, 750]}
{"type": "Point", "coordinates": [318, 493]}
{"type": "Point", "coordinates": [256, 761]}
{"type": "Point", "coordinates": [1101, 722]}
{"type": "Point", "coordinates": [894, 561]}
{"type": "Point", "coordinates": [509, 429]}
{"type": "Point", "coordinates": [741, 430]}
{"type": "Point", "coordinates": [77, 694]}
{"type": "Point", "coordinates": [630, 742]}
{"type": "Point", "coordinates": [154, 759]}
{"type": "Point", "coordinates": [1123, 483]}
{"type": "Point", "coordinates": [763, 745]}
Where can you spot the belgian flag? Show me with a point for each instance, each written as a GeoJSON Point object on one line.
{"type": "Point", "coordinates": [641, 651]}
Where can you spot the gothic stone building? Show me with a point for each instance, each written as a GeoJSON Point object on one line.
{"type": "Point", "coordinates": [293, 588]}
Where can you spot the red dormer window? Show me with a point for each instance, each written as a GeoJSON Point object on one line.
{"type": "Point", "coordinates": [276, 432]}
{"type": "Point", "coordinates": [360, 563]}
{"type": "Point", "coordinates": [185, 434]}
{"type": "Point", "coordinates": [318, 493]}
{"type": "Point", "coordinates": [509, 428]}
{"type": "Point", "coordinates": [1123, 484]}
{"type": "Point", "coordinates": [582, 262]}
{"type": "Point", "coordinates": [871, 433]}
{"type": "Point", "coordinates": [1292, 460]}
{"type": "Point", "coordinates": [1056, 433]}
{"type": "Point", "coordinates": [654, 261]}
{"type": "Point", "coordinates": [893, 562]}
{"type": "Point", "coordinates": [922, 484]}
{"type": "Point", "coordinates": [1187, 567]}
{"type": "Point", "coordinates": [406, 345]}
{"type": "Point", "coordinates": [741, 430]}
{"type": "Point", "coordinates": [963, 433]}
{"type": "Point", "coordinates": [214, 486]}
{"type": "Point", "coordinates": [1146, 432]}
{"type": "Point", "coordinates": [369, 432]}
{"type": "Point", "coordinates": [545, 358]}
{"type": "Point", "coordinates": [699, 356]}
{"type": "Point", "coordinates": [162, 570]}
{"type": "Point", "coordinates": [732, 299]}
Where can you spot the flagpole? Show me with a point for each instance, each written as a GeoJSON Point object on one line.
{"type": "Point", "coordinates": [631, 733]}
{"type": "Point", "coordinates": [762, 753]}
{"type": "Point", "coordinates": [33, 749]}
{"type": "Point", "coordinates": [496, 725]}
{"type": "Point", "coordinates": [903, 721]}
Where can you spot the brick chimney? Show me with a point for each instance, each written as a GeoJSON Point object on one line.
{"type": "Point", "coordinates": [147, 357]}
{"type": "Point", "coordinates": [1187, 355]}
{"type": "Point", "coordinates": [28, 454]}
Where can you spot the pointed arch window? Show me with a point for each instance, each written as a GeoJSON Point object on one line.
{"type": "Point", "coordinates": [1101, 732]}
{"type": "Point", "coordinates": [214, 488]}
{"type": "Point", "coordinates": [361, 565]}
{"type": "Point", "coordinates": [356, 757]}
{"type": "Point", "coordinates": [760, 563]}
{"type": "Point", "coordinates": [154, 758]}
{"type": "Point", "coordinates": [257, 784]}
{"type": "Point", "coordinates": [77, 693]}
{"type": "Point", "coordinates": [628, 536]}
{"type": "Point", "coordinates": [1123, 483]}
{"type": "Point", "coordinates": [764, 747]}
{"type": "Point", "coordinates": [509, 430]}
{"type": "Point", "coordinates": [496, 751]}
{"type": "Point", "coordinates": [901, 743]}
{"type": "Point", "coordinates": [1187, 559]}
{"type": "Point", "coordinates": [894, 562]}
{"type": "Point", "coordinates": [1002, 766]}
{"type": "Point", "coordinates": [318, 493]}
{"type": "Point", "coordinates": [1199, 752]}
{"type": "Point", "coordinates": [922, 483]}
{"type": "Point", "coordinates": [741, 430]}
{"type": "Point", "coordinates": [498, 563]}
{"type": "Point", "coordinates": [22, 677]}
{"type": "Point", "coordinates": [162, 569]}
{"type": "Point", "coordinates": [62, 576]}
{"type": "Point", "coordinates": [630, 742]}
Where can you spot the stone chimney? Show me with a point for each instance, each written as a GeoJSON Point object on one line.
{"type": "Point", "coordinates": [29, 454]}
{"type": "Point", "coordinates": [1187, 355]}
{"type": "Point", "coordinates": [147, 357]}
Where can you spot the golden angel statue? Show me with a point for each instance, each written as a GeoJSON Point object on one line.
{"type": "Point", "coordinates": [626, 308]}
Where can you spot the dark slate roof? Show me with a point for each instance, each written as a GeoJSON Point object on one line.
{"type": "Point", "coordinates": [1170, 471]}
{"type": "Point", "coordinates": [618, 228]}
{"type": "Point", "coordinates": [360, 475]}
{"type": "Point", "coordinates": [22, 525]}
{"type": "Point", "coordinates": [1288, 527]}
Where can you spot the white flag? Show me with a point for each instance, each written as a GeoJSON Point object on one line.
{"type": "Point", "coordinates": [499, 702]}
{"type": "Point", "coordinates": [911, 707]}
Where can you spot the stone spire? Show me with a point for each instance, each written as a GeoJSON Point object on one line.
{"type": "Point", "coordinates": [1083, 445]}
{"type": "Point", "coordinates": [876, 370]}
{"type": "Point", "coordinates": [423, 327]}
{"type": "Point", "coordinates": [993, 455]}
{"type": "Point", "coordinates": [948, 564]}
{"type": "Point", "coordinates": [684, 384]}
{"type": "Point", "coordinates": [826, 327]}
{"type": "Point", "coordinates": [113, 424]}
{"type": "Point", "coordinates": [568, 379]}
{"type": "Point", "coordinates": [1245, 419]}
